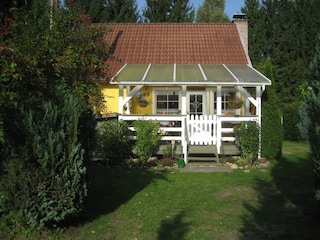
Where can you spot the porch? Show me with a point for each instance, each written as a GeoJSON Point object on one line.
{"type": "Point", "coordinates": [194, 134]}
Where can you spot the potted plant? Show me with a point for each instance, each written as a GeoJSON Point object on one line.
{"type": "Point", "coordinates": [142, 101]}
{"type": "Point", "coordinates": [235, 104]}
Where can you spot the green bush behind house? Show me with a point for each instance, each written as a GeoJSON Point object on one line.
{"type": "Point", "coordinates": [43, 180]}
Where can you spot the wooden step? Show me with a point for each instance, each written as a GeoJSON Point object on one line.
{"type": "Point", "coordinates": [229, 149]}
{"type": "Point", "coordinates": [202, 153]}
{"type": "Point", "coordinates": [202, 149]}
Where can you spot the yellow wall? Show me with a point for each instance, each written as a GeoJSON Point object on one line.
{"type": "Point", "coordinates": [146, 94]}
{"type": "Point", "coordinates": [111, 98]}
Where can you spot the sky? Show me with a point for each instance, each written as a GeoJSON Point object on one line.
{"type": "Point", "coordinates": [232, 6]}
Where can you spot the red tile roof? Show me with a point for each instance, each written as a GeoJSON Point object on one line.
{"type": "Point", "coordinates": [168, 43]}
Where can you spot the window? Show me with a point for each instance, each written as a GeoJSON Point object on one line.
{"type": "Point", "coordinates": [226, 96]}
{"type": "Point", "coordinates": [167, 102]}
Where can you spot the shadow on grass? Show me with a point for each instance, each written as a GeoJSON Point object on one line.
{"type": "Point", "coordinates": [109, 188]}
{"type": "Point", "coordinates": [174, 228]}
{"type": "Point", "coordinates": [285, 205]}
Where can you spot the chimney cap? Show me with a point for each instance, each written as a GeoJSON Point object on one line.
{"type": "Point", "coordinates": [239, 16]}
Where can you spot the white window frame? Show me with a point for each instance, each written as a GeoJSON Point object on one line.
{"type": "Point", "coordinates": [156, 92]}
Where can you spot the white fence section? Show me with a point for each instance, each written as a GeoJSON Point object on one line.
{"type": "Point", "coordinates": [193, 129]}
{"type": "Point", "coordinates": [202, 129]}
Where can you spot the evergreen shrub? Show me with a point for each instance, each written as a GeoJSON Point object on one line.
{"type": "Point", "coordinates": [313, 109]}
{"type": "Point", "coordinates": [43, 180]}
{"type": "Point", "coordinates": [148, 138]}
{"type": "Point", "coordinates": [113, 141]}
{"type": "Point", "coordinates": [271, 127]}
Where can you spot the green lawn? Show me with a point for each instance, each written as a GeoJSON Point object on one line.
{"type": "Point", "coordinates": [274, 203]}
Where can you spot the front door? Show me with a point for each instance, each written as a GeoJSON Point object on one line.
{"type": "Point", "coordinates": [196, 103]}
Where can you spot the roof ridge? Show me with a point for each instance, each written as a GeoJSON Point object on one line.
{"type": "Point", "coordinates": [166, 23]}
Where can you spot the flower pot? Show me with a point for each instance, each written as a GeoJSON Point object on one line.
{"type": "Point", "coordinates": [234, 106]}
{"type": "Point", "coordinates": [143, 104]}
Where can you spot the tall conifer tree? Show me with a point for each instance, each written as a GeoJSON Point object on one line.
{"type": "Point", "coordinates": [169, 11]}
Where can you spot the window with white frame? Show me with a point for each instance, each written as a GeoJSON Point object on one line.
{"type": "Point", "coordinates": [226, 96]}
{"type": "Point", "coordinates": [167, 102]}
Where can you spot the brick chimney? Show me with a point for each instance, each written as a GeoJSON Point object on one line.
{"type": "Point", "coordinates": [241, 22]}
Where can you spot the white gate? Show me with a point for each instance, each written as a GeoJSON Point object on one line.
{"type": "Point", "coordinates": [202, 129]}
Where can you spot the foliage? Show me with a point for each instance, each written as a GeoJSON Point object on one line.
{"type": "Point", "coordinates": [290, 121]}
{"type": "Point", "coordinates": [271, 128]}
{"type": "Point", "coordinates": [43, 180]}
{"type": "Point", "coordinates": [113, 141]}
{"type": "Point", "coordinates": [284, 32]}
{"type": "Point", "coordinates": [212, 11]}
{"type": "Point", "coordinates": [168, 11]}
{"type": "Point", "coordinates": [110, 11]}
{"type": "Point", "coordinates": [311, 107]}
{"type": "Point", "coordinates": [148, 137]}
{"type": "Point", "coordinates": [38, 55]}
{"type": "Point", "coordinates": [123, 11]}
{"type": "Point", "coordinates": [247, 139]}
{"type": "Point", "coordinates": [42, 51]}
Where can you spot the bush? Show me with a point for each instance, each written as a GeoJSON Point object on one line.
{"type": "Point", "coordinates": [271, 128]}
{"type": "Point", "coordinates": [290, 121]}
{"type": "Point", "coordinates": [43, 180]}
{"type": "Point", "coordinates": [148, 138]}
{"type": "Point", "coordinates": [113, 141]}
{"type": "Point", "coordinates": [247, 139]}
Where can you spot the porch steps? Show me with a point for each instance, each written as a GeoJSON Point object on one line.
{"type": "Point", "coordinates": [205, 167]}
{"type": "Point", "coordinates": [229, 149]}
{"type": "Point", "coordinates": [202, 153]}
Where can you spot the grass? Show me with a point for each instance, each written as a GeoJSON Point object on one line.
{"type": "Point", "coordinates": [274, 203]}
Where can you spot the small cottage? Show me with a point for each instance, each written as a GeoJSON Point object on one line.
{"type": "Point", "coordinates": [196, 79]}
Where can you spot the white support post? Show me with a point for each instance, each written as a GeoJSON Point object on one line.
{"type": "Point", "coordinates": [184, 142]}
{"type": "Point", "coordinates": [219, 101]}
{"type": "Point", "coordinates": [258, 112]}
{"type": "Point", "coordinates": [128, 102]}
{"type": "Point", "coordinates": [219, 113]}
{"type": "Point", "coordinates": [120, 107]}
{"type": "Point", "coordinates": [184, 100]}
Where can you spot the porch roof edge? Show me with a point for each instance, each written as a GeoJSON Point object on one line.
{"type": "Point", "coordinates": [189, 75]}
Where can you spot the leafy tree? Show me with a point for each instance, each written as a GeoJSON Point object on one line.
{"type": "Point", "coordinates": [169, 11]}
{"type": "Point", "coordinates": [212, 11]}
{"type": "Point", "coordinates": [71, 52]}
{"type": "Point", "coordinates": [41, 152]}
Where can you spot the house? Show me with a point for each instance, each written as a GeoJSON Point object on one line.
{"type": "Point", "coordinates": [195, 78]}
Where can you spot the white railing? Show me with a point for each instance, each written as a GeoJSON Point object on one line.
{"type": "Point", "coordinates": [192, 129]}
{"type": "Point", "coordinates": [202, 129]}
{"type": "Point", "coordinates": [221, 120]}
{"type": "Point", "coordinates": [172, 128]}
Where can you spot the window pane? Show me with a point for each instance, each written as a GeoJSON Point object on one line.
{"type": "Point", "coordinates": [167, 102]}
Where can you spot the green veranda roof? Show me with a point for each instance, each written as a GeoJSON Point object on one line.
{"type": "Point", "coordinates": [189, 74]}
